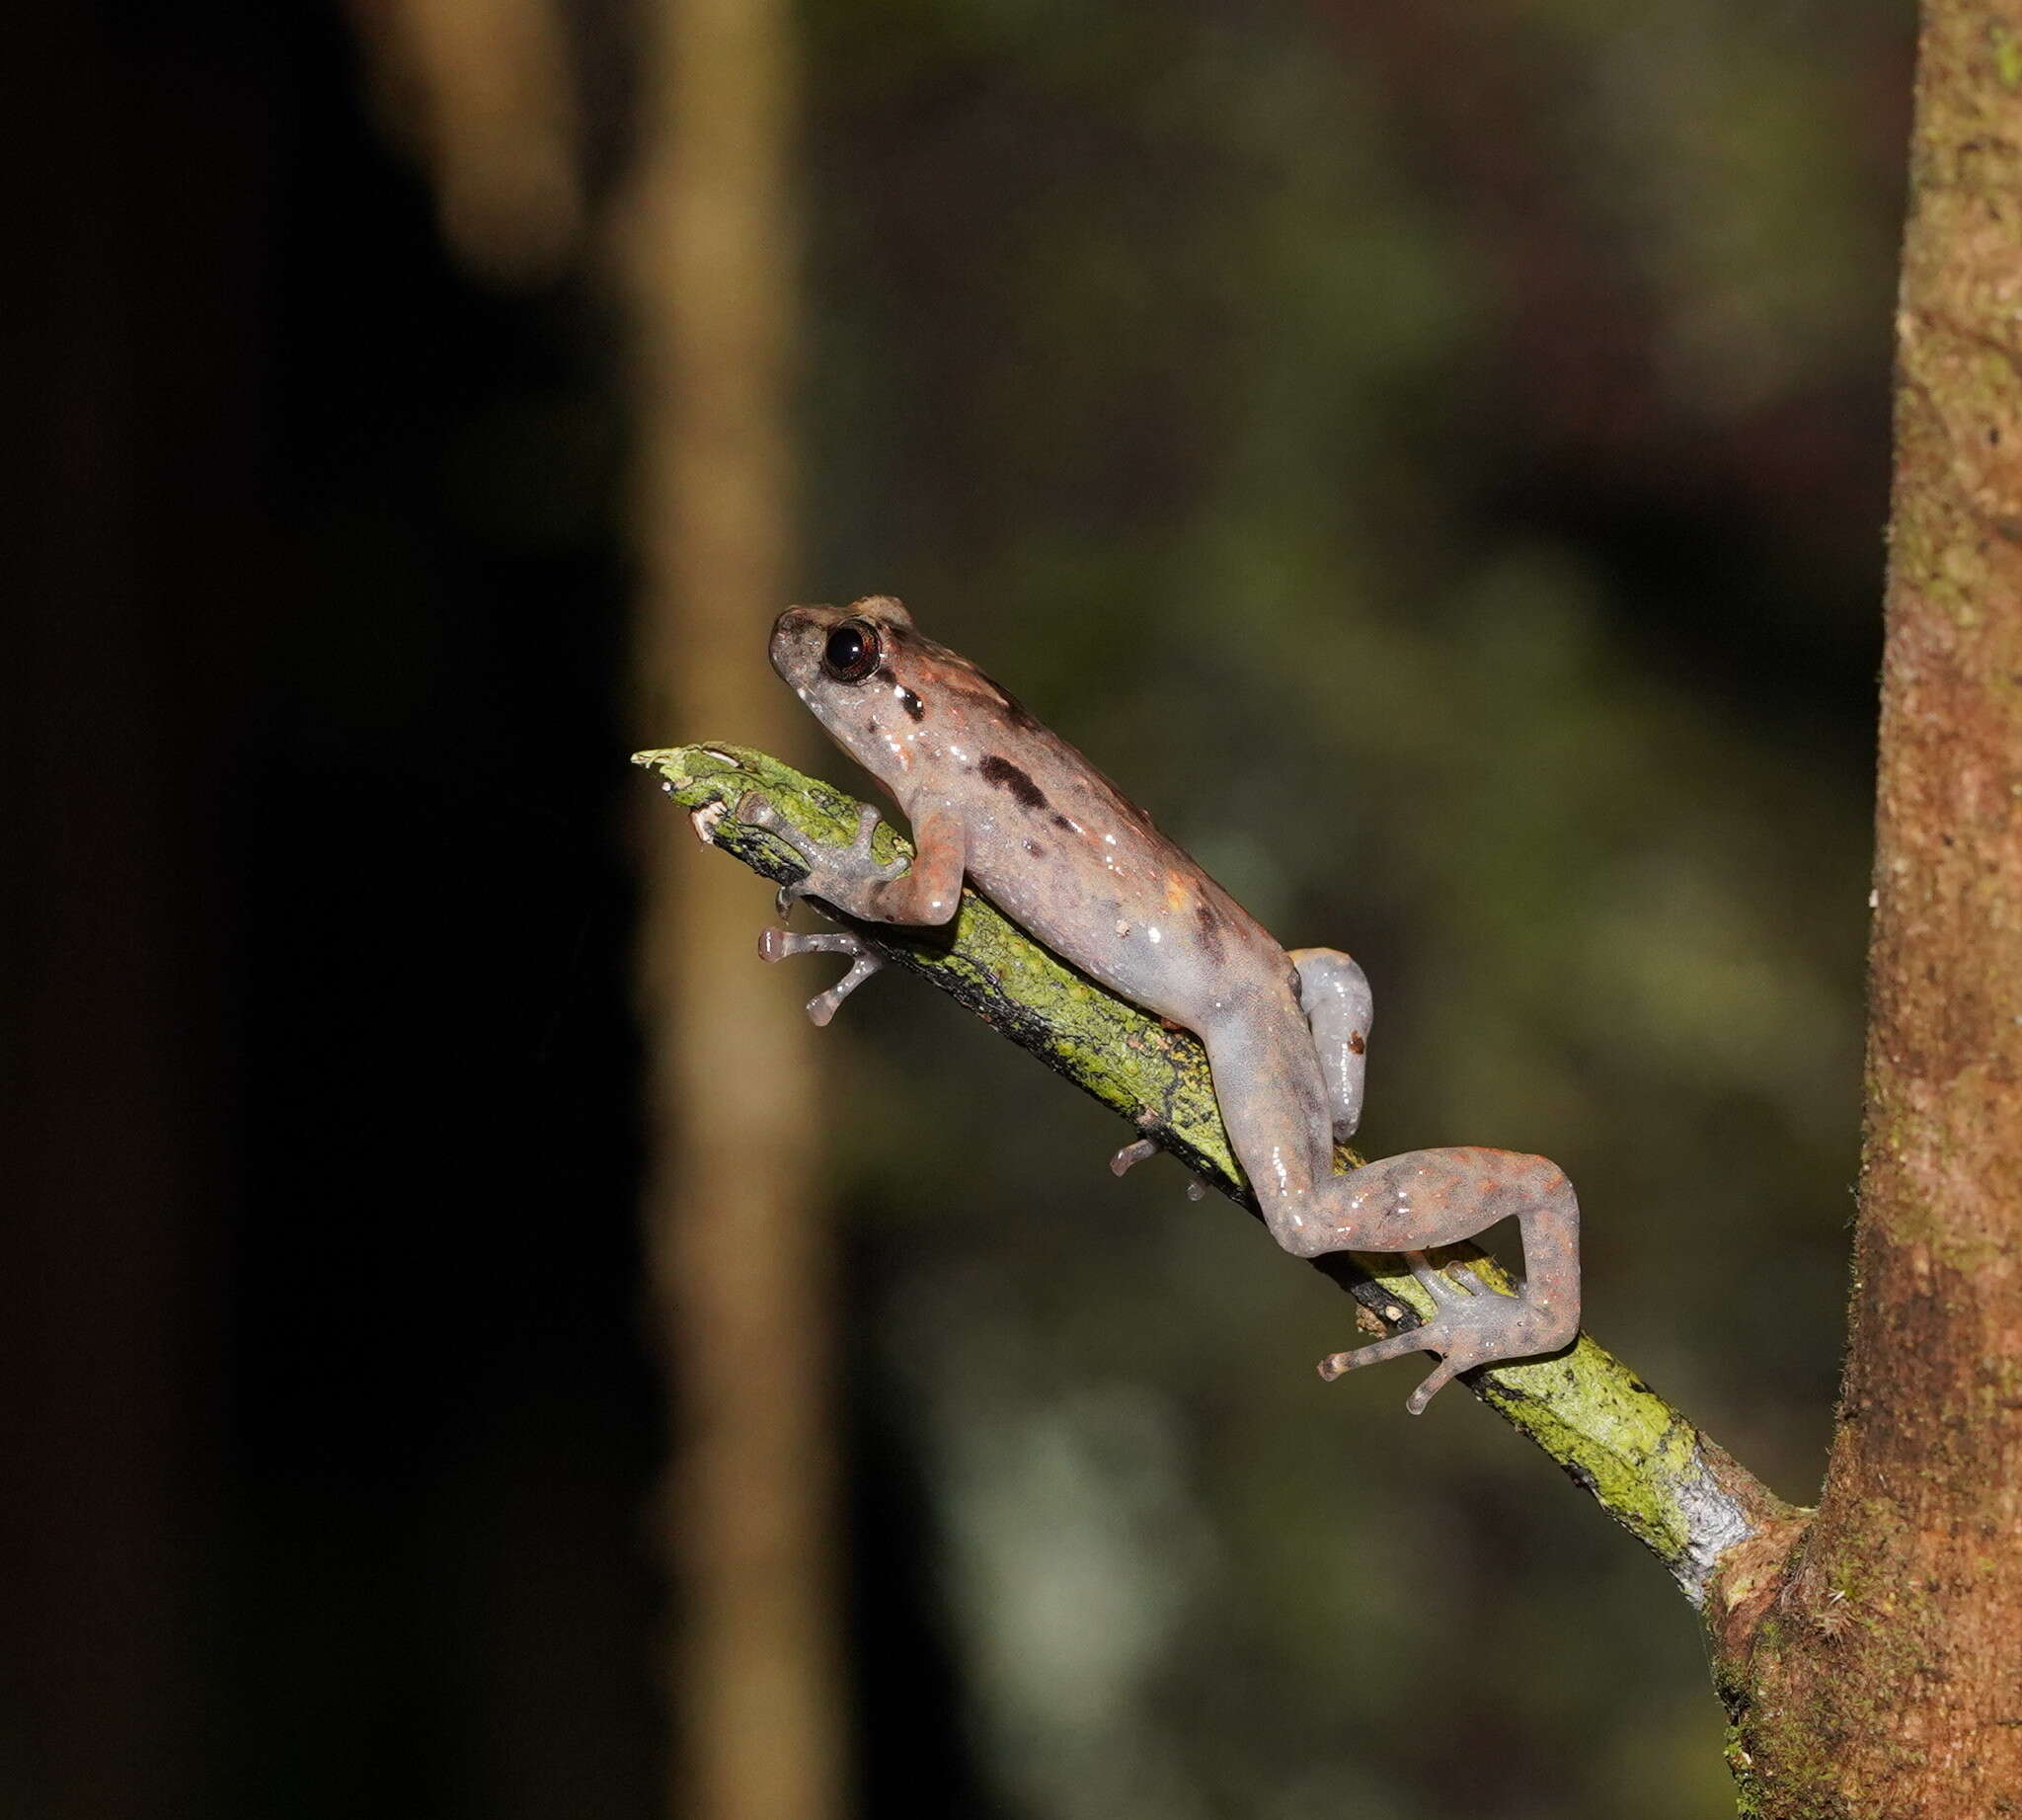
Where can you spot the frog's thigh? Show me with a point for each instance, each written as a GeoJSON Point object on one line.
{"type": "Point", "coordinates": [1273, 1100]}
{"type": "Point", "coordinates": [1334, 995]}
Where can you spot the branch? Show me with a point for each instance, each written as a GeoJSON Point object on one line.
{"type": "Point", "coordinates": [1684, 1498]}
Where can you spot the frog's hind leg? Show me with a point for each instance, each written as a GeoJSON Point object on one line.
{"type": "Point", "coordinates": [1439, 1197]}
{"type": "Point", "coordinates": [1277, 1108]}
{"type": "Point", "coordinates": [1334, 995]}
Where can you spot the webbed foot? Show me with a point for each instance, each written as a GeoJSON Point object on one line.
{"type": "Point", "coordinates": [1473, 1325]}
{"type": "Point", "coordinates": [778, 945]}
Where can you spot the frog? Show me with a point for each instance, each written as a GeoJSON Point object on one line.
{"type": "Point", "coordinates": [999, 801]}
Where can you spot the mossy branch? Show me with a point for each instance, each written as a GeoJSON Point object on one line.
{"type": "Point", "coordinates": [1681, 1496]}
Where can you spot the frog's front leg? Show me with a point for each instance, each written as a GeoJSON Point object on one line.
{"type": "Point", "coordinates": [925, 892]}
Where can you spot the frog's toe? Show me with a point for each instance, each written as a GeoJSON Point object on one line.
{"type": "Point", "coordinates": [1339, 1364]}
{"type": "Point", "coordinates": [1420, 1339]}
{"type": "Point", "coordinates": [855, 860]}
{"type": "Point", "coordinates": [1436, 1283]}
{"type": "Point", "coordinates": [1440, 1376]}
{"type": "Point", "coordinates": [754, 809]}
{"type": "Point", "coordinates": [1469, 1330]}
{"type": "Point", "coordinates": [779, 945]}
{"type": "Point", "coordinates": [1472, 1281]}
{"type": "Point", "coordinates": [1457, 1283]}
{"type": "Point", "coordinates": [1131, 1154]}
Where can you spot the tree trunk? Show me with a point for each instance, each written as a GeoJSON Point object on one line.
{"type": "Point", "coordinates": [735, 1234]}
{"type": "Point", "coordinates": [1879, 1672]}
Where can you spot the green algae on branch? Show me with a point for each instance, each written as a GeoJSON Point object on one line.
{"type": "Point", "coordinates": [1154, 1076]}
{"type": "Point", "coordinates": [1676, 1492]}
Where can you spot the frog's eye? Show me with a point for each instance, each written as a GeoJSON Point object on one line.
{"type": "Point", "coordinates": [852, 651]}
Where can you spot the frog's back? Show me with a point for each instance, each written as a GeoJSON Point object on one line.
{"type": "Point", "coordinates": [1069, 857]}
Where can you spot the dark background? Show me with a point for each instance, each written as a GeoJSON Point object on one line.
{"type": "Point", "coordinates": [1437, 456]}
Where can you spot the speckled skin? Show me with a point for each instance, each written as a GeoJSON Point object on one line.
{"type": "Point", "coordinates": [994, 796]}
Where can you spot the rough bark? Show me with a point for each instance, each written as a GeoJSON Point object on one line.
{"type": "Point", "coordinates": [1880, 1671]}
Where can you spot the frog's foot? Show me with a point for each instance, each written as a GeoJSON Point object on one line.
{"type": "Point", "coordinates": [1472, 1325]}
{"type": "Point", "coordinates": [1131, 1154]}
{"type": "Point", "coordinates": [838, 875]}
{"type": "Point", "coordinates": [778, 945]}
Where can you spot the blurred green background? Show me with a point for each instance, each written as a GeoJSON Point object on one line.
{"type": "Point", "coordinates": [1435, 457]}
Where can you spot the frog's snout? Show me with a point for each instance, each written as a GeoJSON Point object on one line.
{"type": "Point", "coordinates": [794, 643]}
{"type": "Point", "coordinates": [795, 620]}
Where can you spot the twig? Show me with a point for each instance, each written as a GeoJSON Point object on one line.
{"type": "Point", "coordinates": [1680, 1495]}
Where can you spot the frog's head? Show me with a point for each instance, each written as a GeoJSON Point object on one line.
{"type": "Point", "coordinates": [833, 651]}
{"type": "Point", "coordinates": [902, 706]}
{"type": "Point", "coordinates": [864, 673]}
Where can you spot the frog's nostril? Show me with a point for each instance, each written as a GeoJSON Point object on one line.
{"type": "Point", "coordinates": [791, 632]}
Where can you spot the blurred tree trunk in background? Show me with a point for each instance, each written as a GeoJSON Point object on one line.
{"type": "Point", "coordinates": [1885, 1671]}
{"type": "Point", "coordinates": [482, 91]}
{"type": "Point", "coordinates": [736, 1245]}
{"type": "Point", "coordinates": [738, 1248]}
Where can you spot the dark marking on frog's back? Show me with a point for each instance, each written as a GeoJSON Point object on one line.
{"type": "Point", "coordinates": [1007, 776]}
{"type": "Point", "coordinates": [1014, 710]}
{"type": "Point", "coordinates": [981, 692]}
{"type": "Point", "coordinates": [1207, 919]}
{"type": "Point", "coordinates": [1062, 822]}
{"type": "Point", "coordinates": [1035, 849]}
{"type": "Point", "coordinates": [977, 686]}
{"type": "Point", "coordinates": [913, 704]}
